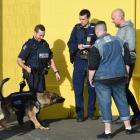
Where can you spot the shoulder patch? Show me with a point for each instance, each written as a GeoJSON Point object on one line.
{"type": "Point", "coordinates": [24, 47]}
{"type": "Point", "coordinates": [78, 26]}
{"type": "Point", "coordinates": [97, 41]}
{"type": "Point", "coordinates": [107, 39]}
{"type": "Point", "coordinates": [92, 25]}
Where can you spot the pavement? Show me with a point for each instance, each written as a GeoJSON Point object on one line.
{"type": "Point", "coordinates": [66, 129]}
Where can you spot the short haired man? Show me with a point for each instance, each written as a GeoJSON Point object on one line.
{"type": "Point", "coordinates": [34, 59]}
{"type": "Point", "coordinates": [108, 65]}
{"type": "Point", "coordinates": [81, 39]}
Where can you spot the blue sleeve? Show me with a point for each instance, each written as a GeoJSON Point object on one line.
{"type": "Point", "coordinates": [24, 53]}
{"type": "Point", "coordinates": [73, 42]}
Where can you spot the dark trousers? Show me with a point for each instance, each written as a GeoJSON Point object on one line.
{"type": "Point", "coordinates": [36, 82]}
{"type": "Point", "coordinates": [79, 77]}
{"type": "Point", "coordinates": [130, 97]}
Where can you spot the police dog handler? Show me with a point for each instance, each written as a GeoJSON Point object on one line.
{"type": "Point", "coordinates": [34, 59]}
{"type": "Point", "coordinates": [109, 62]}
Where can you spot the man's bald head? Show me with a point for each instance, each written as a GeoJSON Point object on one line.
{"type": "Point", "coordinates": [118, 17]}
{"type": "Point", "coordinates": [119, 12]}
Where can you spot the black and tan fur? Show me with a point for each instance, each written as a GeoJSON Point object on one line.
{"type": "Point", "coordinates": [31, 109]}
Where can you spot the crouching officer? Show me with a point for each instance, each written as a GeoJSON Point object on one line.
{"type": "Point", "coordinates": [34, 59]}
{"type": "Point", "coordinates": [81, 39]}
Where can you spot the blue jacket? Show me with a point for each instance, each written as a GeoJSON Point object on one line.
{"type": "Point", "coordinates": [112, 63]}
{"type": "Point", "coordinates": [79, 36]}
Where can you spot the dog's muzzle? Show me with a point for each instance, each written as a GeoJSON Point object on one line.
{"type": "Point", "coordinates": [58, 100]}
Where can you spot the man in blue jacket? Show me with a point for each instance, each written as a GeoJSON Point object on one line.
{"type": "Point", "coordinates": [109, 62]}
{"type": "Point", "coordinates": [81, 39]}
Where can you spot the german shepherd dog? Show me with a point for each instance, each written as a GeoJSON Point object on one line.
{"type": "Point", "coordinates": [29, 105]}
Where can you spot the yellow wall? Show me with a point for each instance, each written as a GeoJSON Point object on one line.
{"type": "Point", "coordinates": [1, 39]}
{"type": "Point", "coordinates": [59, 17]}
{"type": "Point", "coordinates": [19, 19]}
{"type": "Point", "coordinates": [135, 85]}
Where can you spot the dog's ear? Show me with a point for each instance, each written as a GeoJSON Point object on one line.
{"type": "Point", "coordinates": [49, 94]}
{"type": "Point", "coordinates": [39, 94]}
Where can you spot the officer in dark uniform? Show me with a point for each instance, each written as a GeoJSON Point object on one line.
{"type": "Point", "coordinates": [80, 42]}
{"type": "Point", "coordinates": [34, 59]}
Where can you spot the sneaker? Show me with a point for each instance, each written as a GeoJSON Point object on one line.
{"type": "Point", "coordinates": [135, 119]}
{"type": "Point", "coordinates": [129, 132]}
{"type": "Point", "coordinates": [104, 136]}
{"type": "Point", "coordinates": [80, 119]}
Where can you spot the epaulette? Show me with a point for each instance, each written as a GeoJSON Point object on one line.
{"type": "Point", "coordinates": [44, 42]}
{"type": "Point", "coordinates": [92, 25]}
{"type": "Point", "coordinates": [28, 43]}
{"type": "Point", "coordinates": [78, 26]}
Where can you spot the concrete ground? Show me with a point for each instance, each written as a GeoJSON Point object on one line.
{"type": "Point", "coordinates": [65, 129]}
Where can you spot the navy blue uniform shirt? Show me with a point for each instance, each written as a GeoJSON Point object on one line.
{"type": "Point", "coordinates": [36, 54]}
{"type": "Point", "coordinates": [79, 36]}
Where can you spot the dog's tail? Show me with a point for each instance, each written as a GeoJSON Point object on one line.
{"type": "Point", "coordinates": [1, 85]}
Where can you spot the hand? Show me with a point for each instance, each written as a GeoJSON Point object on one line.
{"type": "Point", "coordinates": [28, 69]}
{"type": "Point", "coordinates": [57, 75]}
{"type": "Point", "coordinates": [80, 46]}
{"type": "Point", "coordinates": [91, 83]}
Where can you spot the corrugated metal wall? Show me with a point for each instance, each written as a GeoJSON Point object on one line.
{"type": "Point", "coordinates": [59, 17]}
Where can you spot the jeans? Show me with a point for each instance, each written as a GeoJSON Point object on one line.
{"type": "Point", "coordinates": [117, 91]}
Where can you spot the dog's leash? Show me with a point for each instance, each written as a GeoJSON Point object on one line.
{"type": "Point", "coordinates": [22, 84]}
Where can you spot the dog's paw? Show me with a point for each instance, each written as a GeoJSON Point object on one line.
{"type": "Point", "coordinates": [46, 128]}
{"type": "Point", "coordinates": [42, 128]}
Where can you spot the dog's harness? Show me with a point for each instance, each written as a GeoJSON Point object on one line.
{"type": "Point", "coordinates": [20, 99]}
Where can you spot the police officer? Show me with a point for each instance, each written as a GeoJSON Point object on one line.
{"type": "Point", "coordinates": [81, 39]}
{"type": "Point", "coordinates": [34, 59]}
